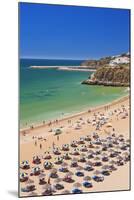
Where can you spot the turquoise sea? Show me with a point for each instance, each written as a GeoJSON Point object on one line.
{"type": "Point", "coordinates": [49, 94]}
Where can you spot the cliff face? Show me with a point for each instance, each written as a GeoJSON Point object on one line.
{"type": "Point", "coordinates": [110, 71]}
{"type": "Point", "coordinates": [110, 76]}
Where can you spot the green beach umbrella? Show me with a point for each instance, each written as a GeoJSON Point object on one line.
{"type": "Point", "coordinates": [58, 131]}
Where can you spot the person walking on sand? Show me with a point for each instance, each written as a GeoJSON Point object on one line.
{"type": "Point", "coordinates": [49, 180]}
{"type": "Point", "coordinates": [40, 146]}
{"type": "Point", "coordinates": [57, 137]}
{"type": "Point", "coordinates": [35, 143]}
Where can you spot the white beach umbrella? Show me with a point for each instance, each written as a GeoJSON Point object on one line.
{"type": "Point", "coordinates": [109, 125]}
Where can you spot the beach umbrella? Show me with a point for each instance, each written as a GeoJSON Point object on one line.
{"type": "Point", "coordinates": [128, 140]}
{"type": "Point", "coordinates": [109, 138]}
{"type": "Point", "coordinates": [82, 155]}
{"type": "Point", "coordinates": [87, 178]}
{"type": "Point", "coordinates": [77, 185]}
{"type": "Point", "coordinates": [121, 136]}
{"type": "Point", "coordinates": [97, 172]}
{"type": "Point", "coordinates": [23, 175]}
{"type": "Point", "coordinates": [58, 131]}
{"type": "Point", "coordinates": [125, 153]}
{"type": "Point", "coordinates": [109, 125]}
{"type": "Point", "coordinates": [119, 158]}
{"type": "Point", "coordinates": [25, 162]}
{"type": "Point", "coordinates": [104, 155]}
{"type": "Point", "coordinates": [97, 158]}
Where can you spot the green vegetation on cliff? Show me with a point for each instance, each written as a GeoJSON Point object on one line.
{"type": "Point", "coordinates": [116, 74]}
{"type": "Point", "coordinates": [110, 76]}
{"type": "Point", "coordinates": [110, 71]}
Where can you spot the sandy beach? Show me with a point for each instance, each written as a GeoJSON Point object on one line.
{"type": "Point", "coordinates": [39, 139]}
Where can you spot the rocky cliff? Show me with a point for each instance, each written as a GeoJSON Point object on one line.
{"type": "Point", "coordinates": [110, 76]}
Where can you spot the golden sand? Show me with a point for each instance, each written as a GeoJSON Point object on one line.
{"type": "Point", "coordinates": [118, 180]}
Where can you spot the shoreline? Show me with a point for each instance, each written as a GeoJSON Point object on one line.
{"type": "Point", "coordinates": [65, 68]}
{"type": "Point", "coordinates": [92, 109]}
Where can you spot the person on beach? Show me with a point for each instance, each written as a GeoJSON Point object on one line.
{"type": "Point", "coordinates": [35, 143]}
{"type": "Point", "coordinates": [32, 127]}
{"type": "Point", "coordinates": [40, 146]}
{"type": "Point", "coordinates": [50, 123]}
{"type": "Point", "coordinates": [49, 181]}
{"type": "Point", "coordinates": [57, 137]}
{"type": "Point", "coordinates": [24, 133]}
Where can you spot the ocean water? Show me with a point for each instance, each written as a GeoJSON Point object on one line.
{"type": "Point", "coordinates": [49, 94]}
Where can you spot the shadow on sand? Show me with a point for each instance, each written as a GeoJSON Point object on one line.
{"type": "Point", "coordinates": [13, 193]}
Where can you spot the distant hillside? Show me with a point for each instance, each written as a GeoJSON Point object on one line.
{"type": "Point", "coordinates": [107, 61]}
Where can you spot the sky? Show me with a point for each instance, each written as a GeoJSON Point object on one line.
{"type": "Point", "coordinates": [72, 32]}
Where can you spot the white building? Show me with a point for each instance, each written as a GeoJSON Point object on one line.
{"type": "Point", "coordinates": [119, 60]}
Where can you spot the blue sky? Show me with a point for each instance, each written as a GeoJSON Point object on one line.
{"type": "Point", "coordinates": [69, 32]}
